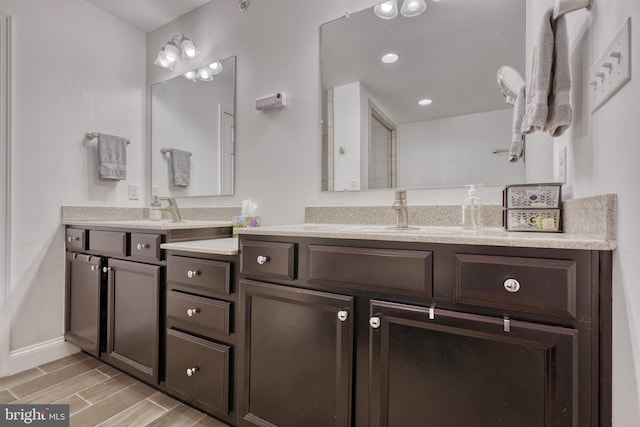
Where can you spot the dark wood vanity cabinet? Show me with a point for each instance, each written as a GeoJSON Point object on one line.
{"type": "Point", "coordinates": [114, 284]}
{"type": "Point", "coordinates": [201, 331]}
{"type": "Point", "coordinates": [445, 335]}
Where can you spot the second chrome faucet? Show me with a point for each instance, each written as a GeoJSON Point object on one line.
{"type": "Point", "coordinates": [400, 206]}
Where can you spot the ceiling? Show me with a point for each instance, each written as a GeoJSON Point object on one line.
{"type": "Point", "coordinates": [147, 15]}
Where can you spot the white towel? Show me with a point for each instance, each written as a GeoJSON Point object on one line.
{"type": "Point", "coordinates": [179, 167]}
{"type": "Point", "coordinates": [112, 157]}
{"type": "Point", "coordinates": [517, 139]}
{"type": "Point", "coordinates": [548, 89]}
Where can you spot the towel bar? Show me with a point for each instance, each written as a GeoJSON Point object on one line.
{"type": "Point", "coordinates": [94, 135]}
{"type": "Point", "coordinates": [168, 150]}
{"type": "Point", "coordinates": [563, 7]}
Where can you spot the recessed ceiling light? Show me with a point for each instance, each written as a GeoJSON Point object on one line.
{"type": "Point", "coordinates": [389, 58]}
{"type": "Point", "coordinates": [425, 102]}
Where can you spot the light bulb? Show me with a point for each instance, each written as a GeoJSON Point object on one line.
{"type": "Point", "coordinates": [190, 75]}
{"type": "Point", "coordinates": [204, 74]}
{"type": "Point", "coordinates": [168, 56]}
{"type": "Point", "coordinates": [413, 7]}
{"type": "Point", "coordinates": [189, 50]}
{"type": "Point", "coordinates": [387, 9]}
{"type": "Point", "coordinates": [215, 67]}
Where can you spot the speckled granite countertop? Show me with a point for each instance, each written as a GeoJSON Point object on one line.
{"type": "Point", "coordinates": [147, 224]}
{"type": "Point", "coordinates": [228, 246]}
{"type": "Point", "coordinates": [491, 236]}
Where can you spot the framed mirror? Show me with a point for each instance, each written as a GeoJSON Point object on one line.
{"type": "Point", "coordinates": [376, 133]}
{"type": "Point", "coordinates": [192, 133]}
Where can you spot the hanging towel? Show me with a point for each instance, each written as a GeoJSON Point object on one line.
{"type": "Point", "coordinates": [539, 84]}
{"type": "Point", "coordinates": [517, 139]}
{"type": "Point", "coordinates": [179, 167]}
{"type": "Point", "coordinates": [112, 157]}
{"type": "Point", "coordinates": [560, 113]}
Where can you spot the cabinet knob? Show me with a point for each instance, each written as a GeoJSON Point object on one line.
{"type": "Point", "coordinates": [343, 315]}
{"type": "Point", "coordinates": [192, 371]}
{"type": "Point", "coordinates": [512, 285]}
{"type": "Point", "coordinates": [192, 311]}
{"type": "Point", "coordinates": [142, 246]}
{"type": "Point", "coordinates": [93, 268]}
{"type": "Point", "coordinates": [71, 239]}
{"type": "Point", "coordinates": [262, 259]}
{"type": "Point", "coordinates": [192, 273]}
{"type": "Point", "coordinates": [374, 322]}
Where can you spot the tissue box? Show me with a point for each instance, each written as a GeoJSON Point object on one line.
{"type": "Point", "coordinates": [243, 221]}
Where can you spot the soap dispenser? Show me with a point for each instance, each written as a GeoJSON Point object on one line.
{"type": "Point", "coordinates": [155, 213]}
{"type": "Point", "coordinates": [472, 210]}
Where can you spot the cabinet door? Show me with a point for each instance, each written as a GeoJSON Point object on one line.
{"type": "Point", "coordinates": [297, 347]}
{"type": "Point", "coordinates": [133, 318]}
{"type": "Point", "coordinates": [457, 369]}
{"type": "Point", "coordinates": [82, 323]}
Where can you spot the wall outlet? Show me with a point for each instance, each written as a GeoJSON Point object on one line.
{"type": "Point", "coordinates": [134, 191]}
{"type": "Point", "coordinates": [562, 165]}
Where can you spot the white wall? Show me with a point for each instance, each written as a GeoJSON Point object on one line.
{"type": "Point", "coordinates": [75, 69]}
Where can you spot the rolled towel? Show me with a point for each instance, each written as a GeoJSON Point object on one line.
{"type": "Point", "coordinates": [560, 113]}
{"type": "Point", "coordinates": [112, 157]}
{"type": "Point", "coordinates": [179, 167]}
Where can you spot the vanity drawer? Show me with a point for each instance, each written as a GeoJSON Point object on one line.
{"type": "Point", "coordinates": [145, 247]}
{"type": "Point", "coordinates": [399, 271]}
{"type": "Point", "coordinates": [202, 316]}
{"type": "Point", "coordinates": [202, 276]}
{"type": "Point", "coordinates": [532, 285]}
{"type": "Point", "coordinates": [76, 239]}
{"type": "Point", "coordinates": [108, 242]}
{"type": "Point", "coordinates": [268, 259]}
{"type": "Point", "coordinates": [198, 371]}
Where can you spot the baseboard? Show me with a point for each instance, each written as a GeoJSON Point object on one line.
{"type": "Point", "coordinates": [38, 354]}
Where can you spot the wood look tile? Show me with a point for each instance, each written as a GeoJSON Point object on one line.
{"type": "Point", "coordinates": [107, 388]}
{"type": "Point", "coordinates": [165, 401]}
{"type": "Point", "coordinates": [180, 416]}
{"type": "Point", "coordinates": [111, 406]}
{"type": "Point", "coordinates": [6, 397]}
{"type": "Point", "coordinates": [75, 402]}
{"type": "Point", "coordinates": [109, 371]}
{"type": "Point", "coordinates": [139, 414]}
{"type": "Point", "coordinates": [20, 377]}
{"type": "Point", "coordinates": [210, 422]}
{"type": "Point", "coordinates": [55, 377]}
{"type": "Point", "coordinates": [65, 361]}
{"type": "Point", "coordinates": [65, 388]}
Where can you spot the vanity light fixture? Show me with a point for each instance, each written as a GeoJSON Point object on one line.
{"type": "Point", "coordinates": [204, 74]}
{"type": "Point", "coordinates": [425, 102]}
{"type": "Point", "coordinates": [390, 58]}
{"type": "Point", "coordinates": [169, 55]}
{"type": "Point", "coordinates": [389, 9]}
{"type": "Point", "coordinates": [190, 75]}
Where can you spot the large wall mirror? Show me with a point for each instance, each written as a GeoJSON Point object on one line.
{"type": "Point", "coordinates": [375, 133]}
{"type": "Point", "coordinates": [192, 134]}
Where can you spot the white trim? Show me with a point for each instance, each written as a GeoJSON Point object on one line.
{"type": "Point", "coordinates": [38, 354]}
{"type": "Point", "coordinates": [5, 187]}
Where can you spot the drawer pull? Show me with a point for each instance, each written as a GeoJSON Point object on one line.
{"type": "Point", "coordinates": [193, 273]}
{"type": "Point", "coordinates": [343, 315]}
{"type": "Point", "coordinates": [71, 239]}
{"type": "Point", "coordinates": [261, 259]}
{"type": "Point", "coordinates": [512, 285]}
{"type": "Point", "coordinates": [374, 322]}
{"type": "Point", "coordinates": [192, 371]}
{"type": "Point", "coordinates": [142, 246]}
{"type": "Point", "coordinates": [192, 311]}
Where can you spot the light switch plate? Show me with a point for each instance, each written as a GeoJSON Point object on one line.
{"type": "Point", "coordinates": [134, 191]}
{"type": "Point", "coordinates": [612, 69]}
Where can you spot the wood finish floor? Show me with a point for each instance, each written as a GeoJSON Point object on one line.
{"type": "Point", "coordinates": [99, 395]}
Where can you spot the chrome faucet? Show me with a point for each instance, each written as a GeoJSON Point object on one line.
{"type": "Point", "coordinates": [400, 206]}
{"type": "Point", "coordinates": [172, 208]}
